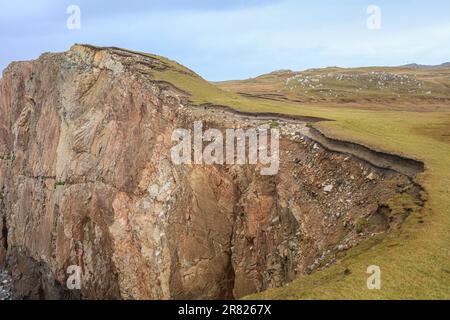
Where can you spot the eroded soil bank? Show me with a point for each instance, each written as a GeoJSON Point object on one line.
{"type": "Point", "coordinates": [86, 179]}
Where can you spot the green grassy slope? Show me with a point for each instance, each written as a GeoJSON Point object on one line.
{"type": "Point", "coordinates": [414, 261]}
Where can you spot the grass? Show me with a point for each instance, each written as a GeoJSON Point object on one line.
{"type": "Point", "coordinates": [274, 124]}
{"type": "Point", "coordinates": [414, 261]}
{"type": "Point", "coordinates": [361, 225]}
{"type": "Point", "coordinates": [402, 203]}
{"type": "Point", "coordinates": [59, 184]}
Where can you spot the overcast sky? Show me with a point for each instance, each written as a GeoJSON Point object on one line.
{"type": "Point", "coordinates": [236, 39]}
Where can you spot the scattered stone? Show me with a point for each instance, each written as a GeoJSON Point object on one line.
{"type": "Point", "coordinates": [371, 176]}
{"type": "Point", "coordinates": [5, 286]}
{"type": "Point", "coordinates": [275, 220]}
{"type": "Point", "coordinates": [328, 188]}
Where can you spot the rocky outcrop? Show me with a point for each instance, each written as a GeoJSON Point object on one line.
{"type": "Point", "coordinates": [86, 179]}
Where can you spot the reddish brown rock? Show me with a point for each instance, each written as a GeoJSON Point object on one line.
{"type": "Point", "coordinates": [86, 179]}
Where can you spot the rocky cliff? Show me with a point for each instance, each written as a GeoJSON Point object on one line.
{"type": "Point", "coordinates": [86, 179]}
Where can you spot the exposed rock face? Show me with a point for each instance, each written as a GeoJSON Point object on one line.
{"type": "Point", "coordinates": [86, 179]}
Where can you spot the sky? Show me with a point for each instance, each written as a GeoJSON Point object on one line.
{"type": "Point", "coordinates": [236, 39]}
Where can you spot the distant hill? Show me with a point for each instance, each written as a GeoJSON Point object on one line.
{"type": "Point", "coordinates": [422, 66]}
{"type": "Point", "coordinates": [412, 84]}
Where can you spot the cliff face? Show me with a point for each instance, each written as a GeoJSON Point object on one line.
{"type": "Point", "coordinates": [86, 179]}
